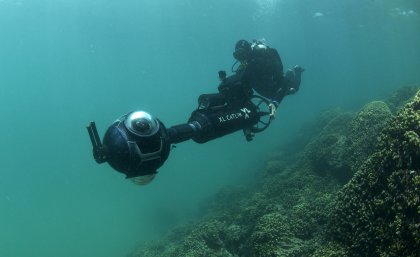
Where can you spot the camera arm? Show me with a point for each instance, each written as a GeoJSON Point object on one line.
{"type": "Point", "coordinates": [138, 144]}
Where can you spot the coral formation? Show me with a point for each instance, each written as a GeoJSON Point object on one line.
{"type": "Point", "coordinates": [345, 141]}
{"type": "Point", "coordinates": [400, 97]}
{"type": "Point", "coordinates": [378, 211]}
{"type": "Point", "coordinates": [301, 209]}
{"type": "Point", "coordinates": [272, 236]}
{"type": "Point", "coordinates": [326, 150]}
{"type": "Point", "coordinates": [364, 132]}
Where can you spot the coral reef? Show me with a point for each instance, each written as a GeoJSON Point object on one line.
{"type": "Point", "coordinates": [378, 211]}
{"type": "Point", "coordinates": [326, 150]}
{"type": "Point", "coordinates": [364, 132]}
{"type": "Point", "coordinates": [272, 236]}
{"type": "Point", "coordinates": [344, 142]}
{"type": "Point", "coordinates": [286, 216]}
{"type": "Point", "coordinates": [400, 97]}
{"type": "Point", "coordinates": [301, 208]}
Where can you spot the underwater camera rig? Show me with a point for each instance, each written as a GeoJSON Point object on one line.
{"type": "Point", "coordinates": [137, 144]}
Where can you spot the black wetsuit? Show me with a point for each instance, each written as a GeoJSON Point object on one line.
{"type": "Point", "coordinates": [263, 72]}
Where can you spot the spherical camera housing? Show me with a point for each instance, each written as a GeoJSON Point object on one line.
{"type": "Point", "coordinates": [136, 144]}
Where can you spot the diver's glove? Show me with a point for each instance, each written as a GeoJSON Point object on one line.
{"type": "Point", "coordinates": [298, 70]}
{"type": "Point", "coordinates": [294, 76]}
{"type": "Point", "coordinates": [273, 109]}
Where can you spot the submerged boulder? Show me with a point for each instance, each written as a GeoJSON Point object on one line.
{"type": "Point", "coordinates": [401, 96]}
{"type": "Point", "coordinates": [378, 212]}
{"type": "Point", "coordinates": [271, 235]}
{"type": "Point", "coordinates": [364, 132]}
{"type": "Point", "coordinates": [325, 152]}
{"type": "Point", "coordinates": [347, 140]}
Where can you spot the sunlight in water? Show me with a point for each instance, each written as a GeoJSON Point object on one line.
{"type": "Point", "coordinates": [265, 8]}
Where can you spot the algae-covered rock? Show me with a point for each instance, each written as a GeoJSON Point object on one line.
{"type": "Point", "coordinates": [326, 150]}
{"type": "Point", "coordinates": [330, 250]}
{"type": "Point", "coordinates": [271, 236]}
{"type": "Point", "coordinates": [378, 211]}
{"type": "Point", "coordinates": [345, 142]}
{"type": "Point", "coordinates": [206, 239]}
{"type": "Point", "coordinates": [365, 129]}
{"type": "Point", "coordinates": [311, 129]}
{"type": "Point", "coordinates": [279, 162]}
{"type": "Point", "coordinates": [400, 97]}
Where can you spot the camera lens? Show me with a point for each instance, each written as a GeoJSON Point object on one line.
{"type": "Point", "coordinates": [142, 126]}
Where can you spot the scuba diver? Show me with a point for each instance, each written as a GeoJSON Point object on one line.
{"type": "Point", "coordinates": [261, 69]}
{"type": "Point", "coordinates": [137, 144]}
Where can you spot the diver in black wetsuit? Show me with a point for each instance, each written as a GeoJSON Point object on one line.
{"type": "Point", "coordinates": [261, 69]}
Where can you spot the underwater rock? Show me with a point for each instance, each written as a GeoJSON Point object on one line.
{"type": "Point", "coordinates": [274, 166]}
{"type": "Point", "coordinates": [206, 239]}
{"type": "Point", "coordinates": [378, 211]}
{"type": "Point", "coordinates": [364, 131]}
{"type": "Point", "coordinates": [292, 148]}
{"type": "Point", "coordinates": [278, 162]}
{"type": "Point", "coordinates": [234, 234]}
{"type": "Point", "coordinates": [330, 250]}
{"type": "Point", "coordinates": [313, 128]}
{"type": "Point", "coordinates": [347, 140]}
{"type": "Point", "coordinates": [400, 97]}
{"type": "Point", "coordinates": [272, 237]}
{"type": "Point", "coordinates": [325, 151]}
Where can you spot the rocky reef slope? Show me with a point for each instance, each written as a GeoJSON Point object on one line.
{"type": "Point", "coordinates": [351, 188]}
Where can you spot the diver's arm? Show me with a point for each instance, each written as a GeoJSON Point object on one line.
{"type": "Point", "coordinates": [276, 64]}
